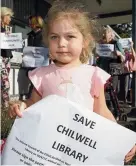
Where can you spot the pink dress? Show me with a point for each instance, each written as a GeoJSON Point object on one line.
{"type": "Point", "coordinates": [79, 84]}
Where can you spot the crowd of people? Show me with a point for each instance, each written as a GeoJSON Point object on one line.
{"type": "Point", "coordinates": [70, 38]}
{"type": "Point", "coordinates": [120, 65]}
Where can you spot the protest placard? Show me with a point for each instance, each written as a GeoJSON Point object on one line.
{"type": "Point", "coordinates": [60, 132]}
{"type": "Point", "coordinates": [35, 57]}
{"type": "Point", "coordinates": [104, 50]}
{"type": "Point", "coordinates": [125, 42]}
{"type": "Point", "coordinates": [11, 41]}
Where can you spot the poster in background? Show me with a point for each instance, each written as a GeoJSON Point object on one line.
{"type": "Point", "coordinates": [11, 40]}
{"type": "Point", "coordinates": [60, 132]}
{"type": "Point", "coordinates": [105, 50]}
{"type": "Point", "coordinates": [35, 57]}
{"type": "Point", "coordinates": [125, 42]}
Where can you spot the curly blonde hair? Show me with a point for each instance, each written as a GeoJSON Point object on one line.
{"type": "Point", "coordinates": [63, 9]}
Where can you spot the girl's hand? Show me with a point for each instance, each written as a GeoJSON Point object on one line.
{"type": "Point", "coordinates": [16, 109]}
{"type": "Point", "coordinates": [130, 154]}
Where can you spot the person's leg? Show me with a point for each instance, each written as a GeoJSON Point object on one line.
{"type": "Point", "coordinates": [126, 86]}
{"type": "Point", "coordinates": [121, 94]}
{"type": "Point", "coordinates": [115, 83]}
{"type": "Point", "coordinates": [131, 90]}
{"type": "Point", "coordinates": [23, 83]}
{"type": "Point", "coordinates": [31, 85]}
{"type": "Point", "coordinates": [30, 91]}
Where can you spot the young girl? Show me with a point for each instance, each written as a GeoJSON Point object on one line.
{"type": "Point", "coordinates": [69, 34]}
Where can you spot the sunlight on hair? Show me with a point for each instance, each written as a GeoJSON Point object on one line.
{"type": "Point", "coordinates": [86, 24]}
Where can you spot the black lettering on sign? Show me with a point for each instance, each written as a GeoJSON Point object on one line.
{"type": "Point", "coordinates": [68, 151]}
{"type": "Point", "coordinates": [77, 136]}
{"type": "Point", "coordinates": [84, 121]}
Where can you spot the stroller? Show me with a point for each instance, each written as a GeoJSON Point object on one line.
{"type": "Point", "coordinates": [113, 102]}
{"type": "Point", "coordinates": [111, 95]}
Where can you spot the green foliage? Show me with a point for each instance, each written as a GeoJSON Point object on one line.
{"type": "Point", "coordinates": [124, 30]}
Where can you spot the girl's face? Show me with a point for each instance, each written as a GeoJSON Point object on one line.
{"type": "Point", "coordinates": [65, 42]}
{"type": "Point", "coordinates": [6, 19]}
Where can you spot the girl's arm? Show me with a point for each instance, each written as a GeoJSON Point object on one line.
{"type": "Point", "coordinates": [101, 109]}
{"type": "Point", "coordinates": [15, 109]}
{"type": "Point", "coordinates": [100, 106]}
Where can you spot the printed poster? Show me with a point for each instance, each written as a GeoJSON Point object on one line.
{"type": "Point", "coordinates": [57, 131]}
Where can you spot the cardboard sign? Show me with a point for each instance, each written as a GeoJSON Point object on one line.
{"type": "Point", "coordinates": [105, 50]}
{"type": "Point", "coordinates": [11, 41]}
{"type": "Point", "coordinates": [57, 131]}
{"type": "Point", "coordinates": [125, 42]}
{"type": "Point", "coordinates": [35, 57]}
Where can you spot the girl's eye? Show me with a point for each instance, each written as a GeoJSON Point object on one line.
{"type": "Point", "coordinates": [70, 36]}
{"type": "Point", "coordinates": [53, 37]}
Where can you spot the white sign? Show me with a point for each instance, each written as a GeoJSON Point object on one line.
{"type": "Point", "coordinates": [17, 57]}
{"type": "Point", "coordinates": [125, 42]}
{"type": "Point", "coordinates": [105, 50]}
{"type": "Point", "coordinates": [56, 131]}
{"type": "Point", "coordinates": [11, 41]}
{"type": "Point", "coordinates": [35, 57]}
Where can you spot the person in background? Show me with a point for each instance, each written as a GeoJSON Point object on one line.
{"type": "Point", "coordinates": [35, 36]}
{"type": "Point", "coordinates": [34, 40]}
{"type": "Point", "coordinates": [108, 38]}
{"type": "Point", "coordinates": [132, 59]}
{"type": "Point", "coordinates": [130, 66]}
{"type": "Point", "coordinates": [119, 58]}
{"type": "Point", "coordinates": [6, 14]}
{"type": "Point", "coordinates": [127, 79]}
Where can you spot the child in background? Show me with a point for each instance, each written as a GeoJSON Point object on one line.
{"type": "Point", "coordinates": [69, 35]}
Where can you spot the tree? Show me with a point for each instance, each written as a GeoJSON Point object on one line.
{"type": "Point", "coordinates": [124, 30]}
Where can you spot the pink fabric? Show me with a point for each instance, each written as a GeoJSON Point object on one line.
{"type": "Point", "coordinates": [80, 83]}
{"type": "Point", "coordinates": [132, 64]}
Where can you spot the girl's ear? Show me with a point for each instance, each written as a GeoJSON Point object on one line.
{"type": "Point", "coordinates": [87, 41]}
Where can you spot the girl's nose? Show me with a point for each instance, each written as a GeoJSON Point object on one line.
{"type": "Point", "coordinates": [62, 42]}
